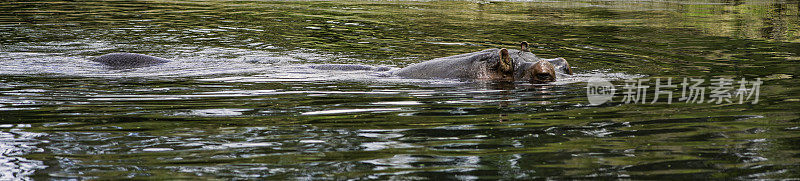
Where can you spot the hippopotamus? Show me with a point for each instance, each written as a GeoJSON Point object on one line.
{"type": "Point", "coordinates": [128, 60]}
{"type": "Point", "coordinates": [491, 64]}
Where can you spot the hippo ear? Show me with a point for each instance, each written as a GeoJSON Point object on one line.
{"type": "Point", "coordinates": [524, 46]}
{"type": "Point", "coordinates": [505, 61]}
{"type": "Point", "coordinates": [567, 69]}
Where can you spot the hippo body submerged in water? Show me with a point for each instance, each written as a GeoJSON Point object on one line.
{"type": "Point", "coordinates": [128, 60]}
{"type": "Point", "coordinates": [490, 64]}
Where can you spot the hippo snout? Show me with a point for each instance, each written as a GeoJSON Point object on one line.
{"type": "Point", "coordinates": [542, 72]}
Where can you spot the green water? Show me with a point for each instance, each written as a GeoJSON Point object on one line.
{"type": "Point", "coordinates": [236, 102]}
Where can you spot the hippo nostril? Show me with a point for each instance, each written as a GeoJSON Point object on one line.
{"type": "Point", "coordinates": [543, 76]}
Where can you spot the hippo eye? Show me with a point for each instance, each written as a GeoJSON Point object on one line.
{"type": "Point", "coordinates": [543, 76]}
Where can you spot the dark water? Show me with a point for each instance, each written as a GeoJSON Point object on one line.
{"type": "Point", "coordinates": [237, 102]}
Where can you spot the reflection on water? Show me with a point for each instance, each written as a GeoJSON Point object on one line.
{"type": "Point", "coordinates": [14, 145]}
{"type": "Point", "coordinates": [239, 101]}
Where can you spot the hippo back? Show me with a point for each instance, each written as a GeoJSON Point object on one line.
{"type": "Point", "coordinates": [464, 66]}
{"type": "Point", "coordinates": [348, 67]}
{"type": "Point", "coordinates": [128, 60]}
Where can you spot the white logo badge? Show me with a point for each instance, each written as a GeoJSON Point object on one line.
{"type": "Point", "coordinates": [599, 90]}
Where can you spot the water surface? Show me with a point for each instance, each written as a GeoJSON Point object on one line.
{"type": "Point", "coordinates": [238, 102]}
